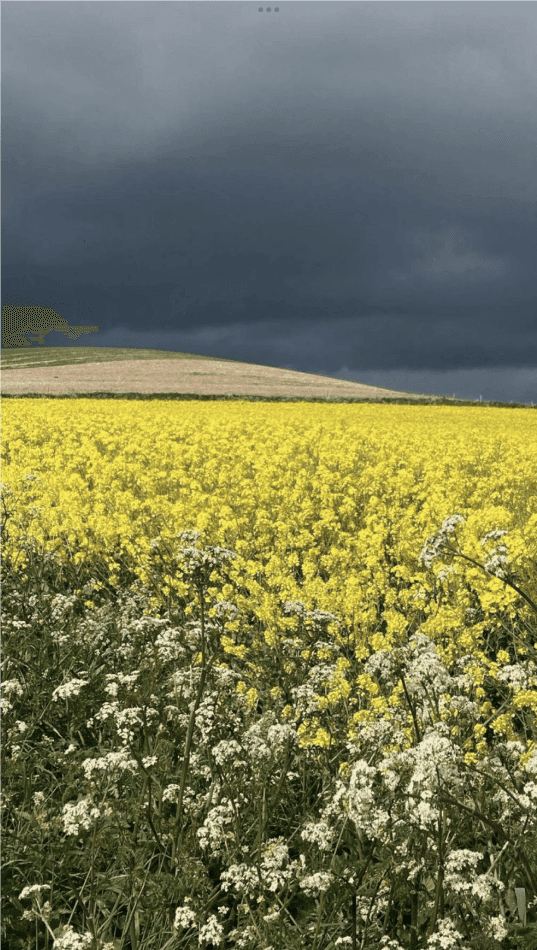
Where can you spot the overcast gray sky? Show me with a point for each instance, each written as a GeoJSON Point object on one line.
{"type": "Point", "coordinates": [346, 188]}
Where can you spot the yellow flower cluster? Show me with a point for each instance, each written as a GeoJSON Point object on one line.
{"type": "Point", "coordinates": [329, 505]}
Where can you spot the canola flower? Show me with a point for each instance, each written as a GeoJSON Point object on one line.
{"type": "Point", "coordinates": [303, 537]}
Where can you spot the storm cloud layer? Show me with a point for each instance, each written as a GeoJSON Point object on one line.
{"type": "Point", "coordinates": [345, 188]}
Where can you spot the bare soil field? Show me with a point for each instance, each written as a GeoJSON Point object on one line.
{"type": "Point", "coordinates": [87, 370]}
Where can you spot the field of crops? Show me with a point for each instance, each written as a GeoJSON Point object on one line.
{"type": "Point", "coordinates": [323, 610]}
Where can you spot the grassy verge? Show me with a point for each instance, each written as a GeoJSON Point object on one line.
{"type": "Point", "coordinates": [135, 778]}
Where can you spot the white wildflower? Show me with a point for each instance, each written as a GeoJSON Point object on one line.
{"type": "Point", "coordinates": [72, 941]}
{"type": "Point", "coordinates": [68, 690]}
{"type": "Point", "coordinates": [33, 889]}
{"type": "Point", "coordinates": [315, 884]}
{"type": "Point", "coordinates": [211, 932]}
{"type": "Point", "coordinates": [184, 917]}
{"type": "Point", "coordinates": [79, 816]}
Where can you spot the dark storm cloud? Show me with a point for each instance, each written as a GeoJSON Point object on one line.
{"type": "Point", "coordinates": [340, 188]}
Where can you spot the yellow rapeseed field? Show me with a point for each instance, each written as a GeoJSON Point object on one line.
{"type": "Point", "coordinates": [329, 505]}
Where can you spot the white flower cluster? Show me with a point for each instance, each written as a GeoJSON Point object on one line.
{"type": "Point", "coordinates": [68, 690]}
{"type": "Point", "coordinates": [435, 544]}
{"type": "Point", "coordinates": [78, 816]}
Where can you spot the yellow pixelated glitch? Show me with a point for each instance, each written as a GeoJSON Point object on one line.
{"type": "Point", "coordinates": [23, 325]}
